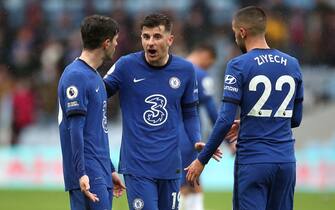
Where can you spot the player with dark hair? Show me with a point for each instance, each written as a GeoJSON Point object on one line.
{"type": "Point", "coordinates": [267, 84]}
{"type": "Point", "coordinates": [89, 174]}
{"type": "Point", "coordinates": [158, 94]}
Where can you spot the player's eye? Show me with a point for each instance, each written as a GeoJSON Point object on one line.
{"type": "Point", "coordinates": [157, 36]}
{"type": "Point", "coordinates": [145, 36]}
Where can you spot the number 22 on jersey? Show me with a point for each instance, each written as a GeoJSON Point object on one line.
{"type": "Point", "coordinates": [257, 110]}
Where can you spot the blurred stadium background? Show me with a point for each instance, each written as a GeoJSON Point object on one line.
{"type": "Point", "coordinates": [39, 37]}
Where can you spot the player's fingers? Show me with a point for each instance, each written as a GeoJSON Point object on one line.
{"type": "Point", "coordinates": [189, 175]}
{"type": "Point", "coordinates": [232, 141]}
{"type": "Point", "coordinates": [218, 152]}
{"type": "Point", "coordinates": [230, 135]}
{"type": "Point", "coordinates": [216, 158]}
{"type": "Point", "coordinates": [91, 196]}
{"type": "Point", "coordinates": [123, 187]}
{"type": "Point", "coordinates": [190, 178]}
{"type": "Point", "coordinates": [116, 193]}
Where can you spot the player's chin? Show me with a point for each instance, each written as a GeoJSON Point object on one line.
{"type": "Point", "coordinates": [152, 57]}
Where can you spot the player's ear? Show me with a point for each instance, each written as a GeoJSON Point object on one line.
{"type": "Point", "coordinates": [243, 32]}
{"type": "Point", "coordinates": [106, 43]}
{"type": "Point", "coordinates": [170, 39]}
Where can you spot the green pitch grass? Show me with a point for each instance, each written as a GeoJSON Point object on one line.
{"type": "Point", "coordinates": [56, 200]}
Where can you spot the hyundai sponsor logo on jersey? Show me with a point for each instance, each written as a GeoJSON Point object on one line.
{"type": "Point", "coordinates": [229, 80]}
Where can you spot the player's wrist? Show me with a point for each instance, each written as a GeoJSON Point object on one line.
{"type": "Point", "coordinates": [202, 160]}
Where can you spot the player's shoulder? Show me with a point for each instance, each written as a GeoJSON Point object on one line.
{"type": "Point", "coordinates": [76, 68]}
{"type": "Point", "coordinates": [238, 62]}
{"type": "Point", "coordinates": [182, 63]}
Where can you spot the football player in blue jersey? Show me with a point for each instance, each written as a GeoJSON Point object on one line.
{"type": "Point", "coordinates": [267, 84]}
{"type": "Point", "coordinates": [158, 94]}
{"type": "Point", "coordinates": [89, 174]}
{"type": "Point", "coordinates": [202, 57]}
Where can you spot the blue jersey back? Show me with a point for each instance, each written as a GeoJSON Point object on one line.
{"type": "Point", "coordinates": [151, 101]}
{"type": "Point", "coordinates": [81, 91]}
{"type": "Point", "coordinates": [265, 83]}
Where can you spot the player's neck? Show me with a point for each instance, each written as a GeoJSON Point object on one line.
{"type": "Point", "coordinates": [92, 58]}
{"type": "Point", "coordinates": [256, 43]}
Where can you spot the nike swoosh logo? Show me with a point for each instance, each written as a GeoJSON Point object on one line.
{"type": "Point", "coordinates": [97, 90]}
{"type": "Point", "coordinates": [138, 80]}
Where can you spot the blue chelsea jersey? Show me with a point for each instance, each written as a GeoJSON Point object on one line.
{"type": "Point", "coordinates": [81, 91]}
{"type": "Point", "coordinates": [151, 101]}
{"type": "Point", "coordinates": [265, 83]}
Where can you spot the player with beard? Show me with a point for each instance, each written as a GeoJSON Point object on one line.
{"type": "Point", "coordinates": [267, 85]}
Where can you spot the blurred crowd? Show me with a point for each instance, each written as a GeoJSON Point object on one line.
{"type": "Point", "coordinates": [39, 37]}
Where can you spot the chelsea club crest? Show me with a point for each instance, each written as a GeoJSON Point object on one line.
{"type": "Point", "coordinates": [174, 82]}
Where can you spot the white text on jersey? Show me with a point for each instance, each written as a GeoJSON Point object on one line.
{"type": "Point", "coordinates": [269, 58]}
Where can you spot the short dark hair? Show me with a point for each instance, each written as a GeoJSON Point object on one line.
{"type": "Point", "coordinates": [252, 17]}
{"type": "Point", "coordinates": [155, 20]}
{"type": "Point", "coordinates": [97, 28]}
{"type": "Point", "coordinates": [206, 47]}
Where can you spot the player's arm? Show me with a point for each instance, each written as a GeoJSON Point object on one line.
{"type": "Point", "coordinates": [231, 100]}
{"type": "Point", "coordinates": [76, 100]}
{"type": "Point", "coordinates": [113, 78]}
{"type": "Point", "coordinates": [189, 106]}
{"type": "Point", "coordinates": [192, 128]}
{"type": "Point", "coordinates": [220, 130]}
{"type": "Point", "coordinates": [297, 114]}
{"type": "Point", "coordinates": [298, 106]}
{"type": "Point", "coordinates": [191, 122]}
{"type": "Point", "coordinates": [77, 123]}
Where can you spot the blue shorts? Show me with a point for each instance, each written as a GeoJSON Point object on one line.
{"type": "Point", "coordinates": [152, 194]}
{"type": "Point", "coordinates": [79, 201]}
{"type": "Point", "coordinates": [264, 186]}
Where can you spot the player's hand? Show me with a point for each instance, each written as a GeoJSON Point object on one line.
{"type": "Point", "coordinates": [216, 156]}
{"type": "Point", "coordinates": [193, 171]}
{"type": "Point", "coordinates": [232, 147]}
{"type": "Point", "coordinates": [232, 135]}
{"type": "Point", "coordinates": [84, 183]}
{"type": "Point", "coordinates": [118, 185]}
